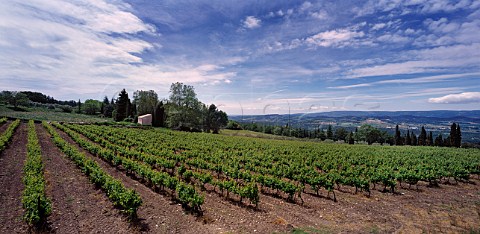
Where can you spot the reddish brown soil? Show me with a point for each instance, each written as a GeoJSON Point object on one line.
{"type": "Point", "coordinates": [4, 126]}
{"type": "Point", "coordinates": [77, 206]}
{"type": "Point", "coordinates": [158, 214]}
{"type": "Point", "coordinates": [11, 185]}
{"type": "Point", "coordinates": [445, 209]}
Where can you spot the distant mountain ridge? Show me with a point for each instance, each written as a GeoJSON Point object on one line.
{"type": "Point", "coordinates": [474, 114]}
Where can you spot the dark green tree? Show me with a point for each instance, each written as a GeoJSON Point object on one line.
{"type": "Point", "coordinates": [453, 134]}
{"type": "Point", "coordinates": [79, 106]}
{"type": "Point", "coordinates": [159, 115]}
{"type": "Point", "coordinates": [414, 139]}
{"type": "Point", "coordinates": [351, 141]}
{"type": "Point", "coordinates": [341, 134]}
{"type": "Point", "coordinates": [146, 101]}
{"type": "Point", "coordinates": [215, 119]}
{"type": "Point", "coordinates": [458, 135]}
{"type": "Point", "coordinates": [430, 139]}
{"type": "Point", "coordinates": [329, 132]}
{"type": "Point", "coordinates": [408, 139]}
{"type": "Point", "coordinates": [398, 136]}
{"type": "Point", "coordinates": [121, 106]}
{"type": "Point", "coordinates": [422, 138]}
{"type": "Point", "coordinates": [439, 140]}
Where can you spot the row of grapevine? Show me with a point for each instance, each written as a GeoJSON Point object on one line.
{"type": "Point", "coordinates": [185, 193]}
{"type": "Point", "coordinates": [240, 186]}
{"type": "Point", "coordinates": [295, 163]}
{"type": "Point", "coordinates": [7, 135]}
{"type": "Point", "coordinates": [36, 205]}
{"type": "Point", "coordinates": [243, 190]}
{"type": "Point", "coordinates": [3, 120]}
{"type": "Point", "coordinates": [127, 199]}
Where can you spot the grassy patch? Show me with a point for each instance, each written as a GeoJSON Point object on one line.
{"type": "Point", "coordinates": [41, 114]}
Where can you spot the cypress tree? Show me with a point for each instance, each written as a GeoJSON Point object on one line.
{"type": "Point", "coordinates": [458, 135]}
{"type": "Point", "coordinates": [439, 140]}
{"type": "Point", "coordinates": [430, 139]}
{"type": "Point", "coordinates": [79, 106]}
{"type": "Point", "coordinates": [408, 139]}
{"type": "Point", "coordinates": [398, 137]}
{"type": "Point", "coordinates": [422, 138]}
{"type": "Point", "coordinates": [453, 135]}
{"type": "Point", "coordinates": [414, 139]}
{"type": "Point", "coordinates": [121, 106]}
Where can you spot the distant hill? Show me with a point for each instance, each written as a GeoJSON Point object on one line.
{"type": "Point", "coordinates": [436, 121]}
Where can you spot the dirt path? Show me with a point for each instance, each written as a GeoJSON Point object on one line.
{"type": "Point", "coordinates": [157, 214]}
{"type": "Point", "coordinates": [78, 207]}
{"type": "Point", "coordinates": [11, 185]}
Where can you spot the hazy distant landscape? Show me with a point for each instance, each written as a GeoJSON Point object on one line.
{"type": "Point", "coordinates": [436, 121]}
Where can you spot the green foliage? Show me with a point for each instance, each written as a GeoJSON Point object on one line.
{"type": "Point", "coordinates": [127, 199]}
{"type": "Point", "coordinates": [146, 101]}
{"type": "Point", "coordinates": [7, 135]}
{"type": "Point", "coordinates": [14, 98]}
{"type": "Point", "coordinates": [37, 207]}
{"type": "Point", "coordinates": [91, 107]}
{"type": "Point", "coordinates": [121, 106]}
{"type": "Point", "coordinates": [137, 162]}
{"type": "Point", "coordinates": [246, 166]}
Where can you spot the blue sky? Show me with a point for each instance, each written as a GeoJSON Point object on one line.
{"type": "Point", "coordinates": [250, 57]}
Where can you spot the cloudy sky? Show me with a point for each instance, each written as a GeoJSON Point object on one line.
{"type": "Point", "coordinates": [251, 57]}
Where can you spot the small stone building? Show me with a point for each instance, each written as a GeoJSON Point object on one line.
{"type": "Point", "coordinates": [145, 119]}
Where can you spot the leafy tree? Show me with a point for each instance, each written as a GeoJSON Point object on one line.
{"type": "Point", "coordinates": [236, 126]}
{"type": "Point", "coordinates": [14, 98]}
{"type": "Point", "coordinates": [369, 134]}
{"type": "Point", "coordinates": [351, 141]}
{"type": "Point", "coordinates": [215, 119]}
{"type": "Point", "coordinates": [91, 107]}
{"type": "Point", "coordinates": [329, 132]}
{"type": "Point", "coordinates": [145, 101]}
{"type": "Point", "coordinates": [341, 134]}
{"type": "Point", "coordinates": [184, 111]}
{"type": "Point", "coordinates": [121, 106]}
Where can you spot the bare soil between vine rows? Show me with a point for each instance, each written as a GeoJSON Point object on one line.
{"type": "Point", "coordinates": [81, 208]}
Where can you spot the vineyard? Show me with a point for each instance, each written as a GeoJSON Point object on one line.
{"type": "Point", "coordinates": [232, 183]}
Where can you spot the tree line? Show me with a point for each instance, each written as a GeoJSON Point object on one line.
{"type": "Point", "coordinates": [181, 111]}
{"type": "Point", "coordinates": [365, 133]}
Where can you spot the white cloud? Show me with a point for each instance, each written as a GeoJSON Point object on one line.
{"type": "Point", "coordinates": [427, 60]}
{"type": "Point", "coordinates": [68, 47]}
{"type": "Point", "coordinates": [423, 6]}
{"type": "Point", "coordinates": [251, 22]}
{"type": "Point", "coordinates": [379, 26]}
{"type": "Point", "coordinates": [305, 6]}
{"type": "Point", "coordinates": [461, 98]}
{"type": "Point", "coordinates": [334, 38]}
{"type": "Point", "coordinates": [321, 15]}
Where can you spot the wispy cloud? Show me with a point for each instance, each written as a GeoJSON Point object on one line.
{"type": "Point", "coordinates": [461, 98]}
{"type": "Point", "coordinates": [251, 22]}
